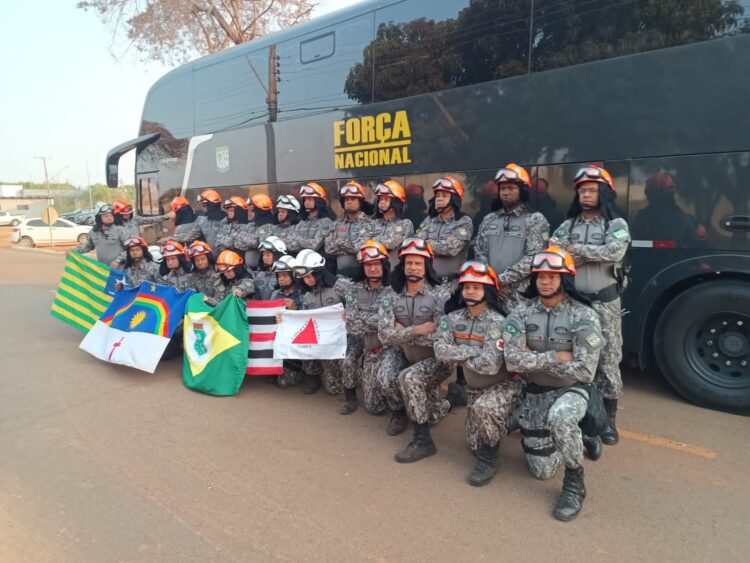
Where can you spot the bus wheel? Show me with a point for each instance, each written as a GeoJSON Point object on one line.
{"type": "Point", "coordinates": [702, 345]}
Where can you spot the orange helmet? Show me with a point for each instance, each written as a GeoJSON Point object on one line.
{"type": "Point", "coordinates": [514, 174]}
{"type": "Point", "coordinates": [198, 248]}
{"type": "Point", "coordinates": [261, 201]}
{"type": "Point", "coordinates": [659, 182]}
{"type": "Point", "coordinates": [391, 188]}
{"type": "Point", "coordinates": [592, 173]}
{"type": "Point", "coordinates": [313, 189]}
{"type": "Point", "coordinates": [227, 260]}
{"type": "Point", "coordinates": [173, 248]}
{"type": "Point", "coordinates": [449, 184]}
{"type": "Point", "coordinates": [473, 271]}
{"type": "Point", "coordinates": [554, 260]}
{"type": "Point", "coordinates": [178, 203]}
{"type": "Point", "coordinates": [416, 246]}
{"type": "Point", "coordinates": [122, 207]}
{"type": "Point", "coordinates": [209, 196]}
{"type": "Point", "coordinates": [135, 241]}
{"type": "Point", "coordinates": [352, 189]}
{"type": "Point", "coordinates": [235, 201]}
{"type": "Point", "coordinates": [372, 251]}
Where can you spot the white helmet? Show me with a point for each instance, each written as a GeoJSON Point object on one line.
{"type": "Point", "coordinates": [284, 264]}
{"type": "Point", "coordinates": [288, 202]}
{"type": "Point", "coordinates": [274, 244]}
{"type": "Point", "coordinates": [308, 261]}
{"type": "Point", "coordinates": [155, 252]}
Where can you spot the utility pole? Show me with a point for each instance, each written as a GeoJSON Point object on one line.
{"type": "Point", "coordinates": [49, 194]}
{"type": "Point", "coordinates": [88, 181]}
{"type": "Point", "coordinates": [273, 92]}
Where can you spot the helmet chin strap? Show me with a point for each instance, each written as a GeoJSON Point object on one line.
{"type": "Point", "coordinates": [475, 302]}
{"type": "Point", "coordinates": [414, 278]}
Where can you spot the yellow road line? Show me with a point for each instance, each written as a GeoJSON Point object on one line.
{"type": "Point", "coordinates": [669, 444]}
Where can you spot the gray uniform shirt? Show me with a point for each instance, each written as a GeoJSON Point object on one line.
{"type": "Point", "coordinates": [109, 244]}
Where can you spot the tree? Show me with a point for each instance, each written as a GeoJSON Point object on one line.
{"type": "Point", "coordinates": [177, 30]}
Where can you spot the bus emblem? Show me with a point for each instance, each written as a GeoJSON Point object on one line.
{"type": "Point", "coordinates": [372, 140]}
{"type": "Point", "coordinates": [222, 159]}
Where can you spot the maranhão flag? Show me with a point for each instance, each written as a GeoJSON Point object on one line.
{"type": "Point", "coordinates": [315, 334]}
{"type": "Point", "coordinates": [86, 288]}
{"type": "Point", "coordinates": [136, 327]}
{"type": "Point", "coordinates": [215, 343]}
{"type": "Point", "coordinates": [261, 316]}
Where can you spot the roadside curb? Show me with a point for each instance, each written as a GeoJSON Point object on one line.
{"type": "Point", "coordinates": [42, 250]}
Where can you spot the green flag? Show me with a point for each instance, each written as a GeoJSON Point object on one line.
{"type": "Point", "coordinates": [215, 341]}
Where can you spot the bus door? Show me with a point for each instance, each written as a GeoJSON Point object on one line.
{"type": "Point", "coordinates": [147, 185]}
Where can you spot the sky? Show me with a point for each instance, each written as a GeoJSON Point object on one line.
{"type": "Point", "coordinates": [64, 96]}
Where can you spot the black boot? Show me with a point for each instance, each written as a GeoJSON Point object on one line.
{"type": "Point", "coordinates": [486, 466]}
{"type": "Point", "coordinates": [398, 423]}
{"type": "Point", "coordinates": [350, 401]}
{"type": "Point", "coordinates": [456, 395]}
{"type": "Point", "coordinates": [570, 502]}
{"type": "Point", "coordinates": [420, 447]}
{"type": "Point", "coordinates": [313, 384]}
{"type": "Point", "coordinates": [593, 446]}
{"type": "Point", "coordinates": [610, 435]}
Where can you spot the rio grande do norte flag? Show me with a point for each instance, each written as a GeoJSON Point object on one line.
{"type": "Point", "coordinates": [136, 327]}
{"type": "Point", "coordinates": [215, 341]}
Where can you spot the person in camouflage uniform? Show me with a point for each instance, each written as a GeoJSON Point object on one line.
{"type": "Point", "coordinates": [316, 220]}
{"type": "Point", "coordinates": [472, 338]}
{"type": "Point", "coordinates": [233, 224]}
{"type": "Point", "coordinates": [447, 229]}
{"type": "Point", "coordinates": [321, 289]}
{"type": "Point", "coordinates": [554, 338]}
{"type": "Point", "coordinates": [288, 290]}
{"type": "Point", "coordinates": [235, 279]}
{"type": "Point", "coordinates": [271, 249]}
{"type": "Point", "coordinates": [106, 238]}
{"type": "Point", "coordinates": [389, 227]}
{"type": "Point", "coordinates": [125, 218]}
{"type": "Point", "coordinates": [206, 279]}
{"type": "Point", "coordinates": [364, 354]}
{"type": "Point", "coordinates": [206, 227]}
{"type": "Point", "coordinates": [598, 240]}
{"type": "Point", "coordinates": [139, 264]}
{"type": "Point", "coordinates": [346, 234]}
{"type": "Point", "coordinates": [184, 217]}
{"type": "Point", "coordinates": [410, 376]}
{"type": "Point", "coordinates": [175, 267]}
{"type": "Point", "coordinates": [260, 210]}
{"type": "Point", "coordinates": [286, 215]}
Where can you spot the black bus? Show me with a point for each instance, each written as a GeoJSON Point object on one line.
{"type": "Point", "coordinates": [415, 89]}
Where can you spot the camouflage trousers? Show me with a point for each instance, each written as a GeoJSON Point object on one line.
{"type": "Point", "coordinates": [365, 369]}
{"type": "Point", "coordinates": [292, 375]}
{"type": "Point", "coordinates": [488, 410]}
{"type": "Point", "coordinates": [329, 371]}
{"type": "Point", "coordinates": [351, 365]}
{"type": "Point", "coordinates": [391, 364]}
{"type": "Point", "coordinates": [550, 432]}
{"type": "Point", "coordinates": [419, 387]}
{"type": "Point", "coordinates": [608, 378]}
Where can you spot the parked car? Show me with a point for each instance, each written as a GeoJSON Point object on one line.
{"type": "Point", "coordinates": [34, 232]}
{"type": "Point", "coordinates": [11, 218]}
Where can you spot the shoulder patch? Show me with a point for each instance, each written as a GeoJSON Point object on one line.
{"type": "Point", "coordinates": [444, 324]}
{"type": "Point", "coordinates": [620, 234]}
{"type": "Point", "coordinates": [387, 303]}
{"type": "Point", "coordinates": [349, 297]}
{"type": "Point", "coordinates": [594, 340]}
{"type": "Point", "coordinates": [500, 344]}
{"type": "Point", "coordinates": [511, 328]}
{"type": "Point", "coordinates": [463, 231]}
{"type": "Point", "coordinates": [494, 332]}
{"type": "Point", "coordinates": [398, 229]}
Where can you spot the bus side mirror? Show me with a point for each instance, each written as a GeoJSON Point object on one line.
{"type": "Point", "coordinates": [113, 175]}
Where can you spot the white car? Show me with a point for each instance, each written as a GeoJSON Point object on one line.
{"type": "Point", "coordinates": [33, 232]}
{"type": "Point", "coordinates": [10, 218]}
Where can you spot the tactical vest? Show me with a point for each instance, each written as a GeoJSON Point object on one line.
{"type": "Point", "coordinates": [108, 244]}
{"type": "Point", "coordinates": [592, 276]}
{"type": "Point", "coordinates": [437, 229]}
{"type": "Point", "coordinates": [348, 230]}
{"type": "Point", "coordinates": [473, 332]}
{"type": "Point", "coordinates": [506, 239]}
{"type": "Point", "coordinates": [413, 311]}
{"type": "Point", "coordinates": [369, 301]}
{"type": "Point", "coordinates": [323, 297]}
{"type": "Point", "coordinates": [546, 332]}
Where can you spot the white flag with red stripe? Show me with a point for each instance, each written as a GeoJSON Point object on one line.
{"type": "Point", "coordinates": [261, 316]}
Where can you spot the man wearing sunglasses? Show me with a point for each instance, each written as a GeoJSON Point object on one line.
{"type": "Point", "coordinates": [472, 338]}
{"type": "Point", "coordinates": [316, 220]}
{"type": "Point", "coordinates": [344, 238]}
{"type": "Point", "coordinates": [409, 374]}
{"type": "Point", "coordinates": [389, 227]}
{"type": "Point", "coordinates": [553, 337]}
{"type": "Point", "coordinates": [446, 228]}
{"type": "Point", "coordinates": [512, 234]}
{"type": "Point", "coordinates": [598, 240]}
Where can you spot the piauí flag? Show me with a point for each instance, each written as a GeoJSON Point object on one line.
{"type": "Point", "coordinates": [215, 342]}
{"type": "Point", "coordinates": [86, 288]}
{"type": "Point", "coordinates": [136, 327]}
{"type": "Point", "coordinates": [315, 334]}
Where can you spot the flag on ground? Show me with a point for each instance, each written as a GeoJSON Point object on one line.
{"type": "Point", "coordinates": [316, 334]}
{"type": "Point", "coordinates": [86, 288]}
{"type": "Point", "coordinates": [136, 327]}
{"type": "Point", "coordinates": [261, 316]}
{"type": "Point", "coordinates": [214, 341]}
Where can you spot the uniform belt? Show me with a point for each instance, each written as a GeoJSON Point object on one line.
{"type": "Point", "coordinates": [541, 452]}
{"type": "Point", "coordinates": [535, 389]}
{"type": "Point", "coordinates": [535, 433]}
{"type": "Point", "coordinates": [609, 293]}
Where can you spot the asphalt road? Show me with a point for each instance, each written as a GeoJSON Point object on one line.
{"type": "Point", "coordinates": [101, 463]}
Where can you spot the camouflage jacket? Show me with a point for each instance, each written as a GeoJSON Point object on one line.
{"type": "Point", "coordinates": [390, 234]}
{"type": "Point", "coordinates": [146, 272]}
{"type": "Point", "coordinates": [449, 240]}
{"type": "Point", "coordinates": [207, 282]}
{"type": "Point", "coordinates": [202, 228]}
{"type": "Point", "coordinates": [179, 279]}
{"type": "Point", "coordinates": [265, 284]}
{"type": "Point", "coordinates": [343, 239]}
{"type": "Point", "coordinates": [509, 241]}
{"type": "Point", "coordinates": [309, 233]}
{"type": "Point", "coordinates": [294, 294]}
{"type": "Point", "coordinates": [133, 226]}
{"type": "Point", "coordinates": [109, 244]}
{"type": "Point", "coordinates": [248, 239]}
{"type": "Point", "coordinates": [244, 285]}
{"type": "Point", "coordinates": [534, 334]}
{"type": "Point", "coordinates": [324, 297]}
{"type": "Point", "coordinates": [226, 235]}
{"type": "Point", "coordinates": [362, 308]}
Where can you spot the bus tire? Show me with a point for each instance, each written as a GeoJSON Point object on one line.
{"type": "Point", "coordinates": [702, 345]}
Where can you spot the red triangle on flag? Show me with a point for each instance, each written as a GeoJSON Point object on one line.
{"type": "Point", "coordinates": [307, 335]}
